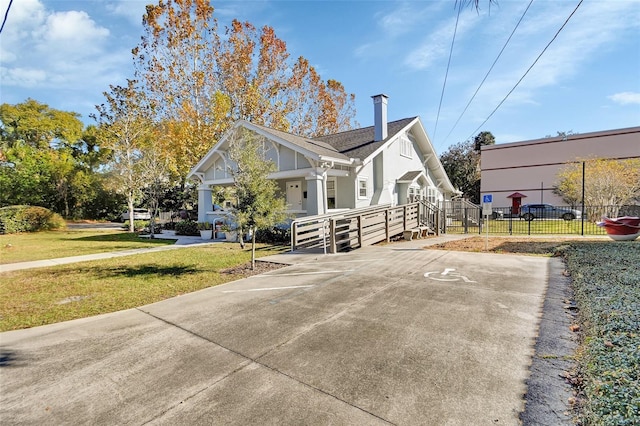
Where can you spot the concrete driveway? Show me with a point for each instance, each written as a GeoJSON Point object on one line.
{"type": "Point", "coordinates": [381, 335]}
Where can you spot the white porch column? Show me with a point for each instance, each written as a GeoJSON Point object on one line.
{"type": "Point", "coordinates": [205, 202]}
{"type": "Point", "coordinates": [315, 195]}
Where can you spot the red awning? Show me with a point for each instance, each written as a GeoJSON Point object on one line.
{"type": "Point", "coordinates": [516, 195]}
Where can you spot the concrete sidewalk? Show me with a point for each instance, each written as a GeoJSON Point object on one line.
{"type": "Point", "coordinates": [383, 335]}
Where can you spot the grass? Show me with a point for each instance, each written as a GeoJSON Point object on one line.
{"type": "Point", "coordinates": [534, 227]}
{"type": "Point", "coordinates": [52, 244]}
{"type": "Point", "coordinates": [42, 296]}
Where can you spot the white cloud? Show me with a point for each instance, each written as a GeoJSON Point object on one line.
{"type": "Point", "coordinates": [437, 45]}
{"type": "Point", "coordinates": [625, 98]}
{"type": "Point", "coordinates": [57, 55]}
{"type": "Point", "coordinates": [132, 10]}
{"type": "Point", "coordinates": [405, 17]}
{"type": "Point", "coordinates": [73, 27]}
{"type": "Point", "coordinates": [24, 77]}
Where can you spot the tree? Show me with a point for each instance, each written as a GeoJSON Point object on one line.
{"type": "Point", "coordinates": [154, 168]}
{"type": "Point", "coordinates": [562, 134]}
{"type": "Point", "coordinates": [483, 139]}
{"type": "Point", "coordinates": [462, 164]}
{"type": "Point", "coordinates": [259, 205]}
{"type": "Point", "coordinates": [608, 185]}
{"type": "Point", "coordinates": [37, 125]}
{"type": "Point", "coordinates": [125, 127]}
{"type": "Point", "coordinates": [202, 83]}
{"type": "Point", "coordinates": [39, 144]}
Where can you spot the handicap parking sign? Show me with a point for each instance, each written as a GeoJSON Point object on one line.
{"type": "Point", "coordinates": [487, 198]}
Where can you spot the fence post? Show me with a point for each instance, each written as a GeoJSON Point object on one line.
{"type": "Point", "coordinates": [332, 235]}
{"type": "Point", "coordinates": [404, 217]}
{"type": "Point", "coordinates": [465, 218]}
{"type": "Point", "coordinates": [360, 230]}
{"type": "Point", "coordinates": [386, 225]}
{"type": "Point", "coordinates": [294, 235]}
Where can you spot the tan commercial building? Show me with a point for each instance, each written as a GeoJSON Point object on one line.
{"type": "Point", "coordinates": [525, 172]}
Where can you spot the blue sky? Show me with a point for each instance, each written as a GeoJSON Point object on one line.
{"type": "Point", "coordinates": [65, 53]}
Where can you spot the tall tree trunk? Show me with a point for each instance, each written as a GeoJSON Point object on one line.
{"type": "Point", "coordinates": [130, 205]}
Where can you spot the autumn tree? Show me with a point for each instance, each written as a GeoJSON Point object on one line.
{"type": "Point", "coordinates": [258, 202]}
{"type": "Point", "coordinates": [126, 129]}
{"type": "Point", "coordinates": [608, 185]}
{"type": "Point", "coordinates": [202, 82]}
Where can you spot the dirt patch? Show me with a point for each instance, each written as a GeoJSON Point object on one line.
{"type": "Point", "coordinates": [245, 270]}
{"type": "Point", "coordinates": [510, 245]}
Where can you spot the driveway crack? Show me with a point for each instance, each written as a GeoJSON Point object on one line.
{"type": "Point", "coordinates": [242, 367]}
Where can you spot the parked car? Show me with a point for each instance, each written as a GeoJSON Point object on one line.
{"type": "Point", "coordinates": [547, 211]}
{"type": "Point", "coordinates": [138, 214]}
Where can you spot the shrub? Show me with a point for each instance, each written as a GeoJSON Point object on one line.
{"type": "Point", "coordinates": [277, 235]}
{"type": "Point", "coordinates": [187, 227]}
{"type": "Point", "coordinates": [29, 219]}
{"type": "Point", "coordinates": [205, 226]}
{"type": "Point", "coordinates": [138, 225]}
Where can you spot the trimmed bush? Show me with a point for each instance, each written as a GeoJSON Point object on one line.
{"type": "Point", "coordinates": [138, 225]}
{"type": "Point", "coordinates": [187, 227]}
{"type": "Point", "coordinates": [15, 219]}
{"type": "Point", "coordinates": [277, 235]}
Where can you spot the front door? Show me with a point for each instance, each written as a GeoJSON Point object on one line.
{"type": "Point", "coordinates": [294, 195]}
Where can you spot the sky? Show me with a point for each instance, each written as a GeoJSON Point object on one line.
{"type": "Point", "coordinates": [66, 53]}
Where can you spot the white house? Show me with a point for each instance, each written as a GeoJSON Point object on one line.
{"type": "Point", "coordinates": [388, 163]}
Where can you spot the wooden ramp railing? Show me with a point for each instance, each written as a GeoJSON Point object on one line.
{"type": "Point", "coordinates": [353, 228]}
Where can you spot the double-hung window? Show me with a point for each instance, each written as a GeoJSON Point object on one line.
{"type": "Point", "coordinates": [362, 188]}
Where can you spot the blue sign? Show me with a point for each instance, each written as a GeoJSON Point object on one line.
{"type": "Point", "coordinates": [488, 198]}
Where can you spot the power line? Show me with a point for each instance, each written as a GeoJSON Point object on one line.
{"type": "Point", "coordinates": [488, 72]}
{"type": "Point", "coordinates": [444, 84]}
{"type": "Point", "coordinates": [527, 72]}
{"type": "Point", "coordinates": [6, 14]}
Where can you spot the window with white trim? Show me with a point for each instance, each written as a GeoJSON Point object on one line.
{"type": "Point", "coordinates": [406, 147]}
{"type": "Point", "coordinates": [362, 188]}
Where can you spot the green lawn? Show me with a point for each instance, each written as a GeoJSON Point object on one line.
{"type": "Point", "coordinates": [52, 244]}
{"type": "Point", "coordinates": [534, 227]}
{"type": "Point", "coordinates": [42, 296]}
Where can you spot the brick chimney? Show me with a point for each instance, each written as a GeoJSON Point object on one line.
{"type": "Point", "coordinates": [380, 116]}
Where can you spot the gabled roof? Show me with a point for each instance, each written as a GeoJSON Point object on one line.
{"type": "Point", "coordinates": [359, 143]}
{"type": "Point", "coordinates": [410, 176]}
{"type": "Point", "coordinates": [315, 146]}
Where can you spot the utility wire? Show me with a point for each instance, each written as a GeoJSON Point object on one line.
{"type": "Point", "coordinates": [527, 72]}
{"type": "Point", "coordinates": [6, 14]}
{"type": "Point", "coordinates": [488, 72]}
{"type": "Point", "coordinates": [444, 84]}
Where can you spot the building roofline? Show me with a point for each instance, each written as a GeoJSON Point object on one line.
{"type": "Point", "coordinates": [555, 139]}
